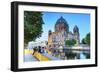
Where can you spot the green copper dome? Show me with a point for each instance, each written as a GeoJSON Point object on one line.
{"type": "Point", "coordinates": [61, 21]}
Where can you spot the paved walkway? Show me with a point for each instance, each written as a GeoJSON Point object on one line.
{"type": "Point", "coordinates": [41, 57]}
{"type": "Point", "coordinates": [29, 58]}
{"type": "Point", "coordinates": [37, 56]}
{"type": "Point", "coordinates": [50, 56]}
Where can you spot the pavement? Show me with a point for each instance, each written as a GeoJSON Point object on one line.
{"type": "Point", "coordinates": [28, 56]}
{"type": "Point", "coordinates": [41, 57]}
{"type": "Point", "coordinates": [51, 57]}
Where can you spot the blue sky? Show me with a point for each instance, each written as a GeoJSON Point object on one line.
{"type": "Point", "coordinates": [79, 19]}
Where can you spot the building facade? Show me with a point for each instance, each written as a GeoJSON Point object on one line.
{"type": "Point", "coordinates": [62, 33]}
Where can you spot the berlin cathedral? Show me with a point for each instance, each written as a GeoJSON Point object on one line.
{"type": "Point", "coordinates": [61, 34]}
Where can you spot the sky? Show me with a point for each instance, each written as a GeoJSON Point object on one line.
{"type": "Point", "coordinates": [79, 19]}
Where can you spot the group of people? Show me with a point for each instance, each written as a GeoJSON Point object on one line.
{"type": "Point", "coordinates": [39, 49]}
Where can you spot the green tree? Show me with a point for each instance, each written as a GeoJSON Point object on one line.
{"type": "Point", "coordinates": [70, 42]}
{"type": "Point", "coordinates": [86, 40]}
{"type": "Point", "coordinates": [83, 41]}
{"type": "Point", "coordinates": [32, 25]}
{"type": "Point", "coordinates": [73, 41]}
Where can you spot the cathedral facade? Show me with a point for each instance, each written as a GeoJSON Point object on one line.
{"type": "Point", "coordinates": [62, 33]}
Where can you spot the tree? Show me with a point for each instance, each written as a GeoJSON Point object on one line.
{"type": "Point", "coordinates": [86, 40]}
{"type": "Point", "coordinates": [32, 25]}
{"type": "Point", "coordinates": [70, 42]}
{"type": "Point", "coordinates": [73, 41]}
{"type": "Point", "coordinates": [83, 41]}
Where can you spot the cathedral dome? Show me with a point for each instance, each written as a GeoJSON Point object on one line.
{"type": "Point", "coordinates": [61, 20]}
{"type": "Point", "coordinates": [61, 24]}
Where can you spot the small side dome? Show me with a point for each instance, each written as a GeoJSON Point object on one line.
{"type": "Point", "coordinates": [50, 32]}
{"type": "Point", "coordinates": [76, 29]}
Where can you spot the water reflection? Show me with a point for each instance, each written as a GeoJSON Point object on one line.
{"type": "Point", "coordinates": [82, 55]}
{"type": "Point", "coordinates": [71, 54]}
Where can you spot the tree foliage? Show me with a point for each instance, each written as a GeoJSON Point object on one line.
{"type": "Point", "coordinates": [32, 25]}
{"type": "Point", "coordinates": [83, 41]}
{"type": "Point", "coordinates": [70, 42]}
{"type": "Point", "coordinates": [86, 40]}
